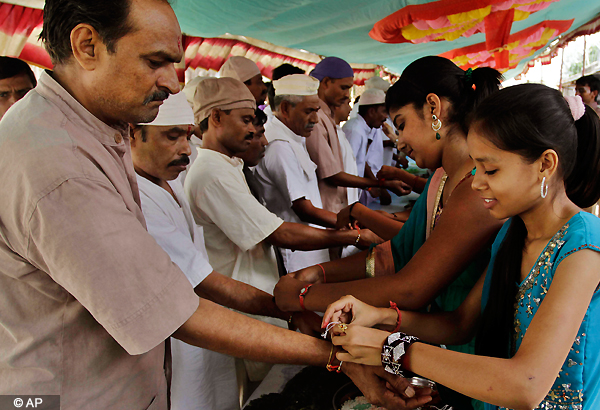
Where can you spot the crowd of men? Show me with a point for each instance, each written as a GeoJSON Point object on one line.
{"type": "Point", "coordinates": [136, 220]}
{"type": "Point", "coordinates": [127, 253]}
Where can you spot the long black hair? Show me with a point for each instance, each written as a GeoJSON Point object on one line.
{"type": "Point", "coordinates": [527, 120]}
{"type": "Point", "coordinates": [438, 75]}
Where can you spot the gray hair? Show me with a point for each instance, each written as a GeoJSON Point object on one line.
{"type": "Point", "coordinates": [292, 99]}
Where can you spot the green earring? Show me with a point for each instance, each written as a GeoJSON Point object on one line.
{"type": "Point", "coordinates": [438, 136]}
{"type": "Point", "coordinates": [473, 171]}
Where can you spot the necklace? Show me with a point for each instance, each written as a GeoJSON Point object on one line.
{"type": "Point", "coordinates": [438, 206]}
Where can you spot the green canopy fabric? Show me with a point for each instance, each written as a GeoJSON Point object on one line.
{"type": "Point", "coordinates": [341, 27]}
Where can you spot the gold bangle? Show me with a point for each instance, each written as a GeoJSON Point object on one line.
{"type": "Point", "coordinates": [330, 354]}
{"type": "Point", "coordinates": [370, 268]}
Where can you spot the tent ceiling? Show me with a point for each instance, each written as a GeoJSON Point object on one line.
{"type": "Point", "coordinates": [341, 27]}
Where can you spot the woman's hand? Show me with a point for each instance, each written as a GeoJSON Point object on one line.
{"type": "Point", "coordinates": [351, 310]}
{"type": "Point", "coordinates": [398, 187]}
{"type": "Point", "coordinates": [361, 344]}
{"type": "Point", "coordinates": [388, 173]}
{"type": "Point", "coordinates": [389, 132]}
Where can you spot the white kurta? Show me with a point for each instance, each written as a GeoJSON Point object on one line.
{"type": "Point", "coordinates": [350, 166]}
{"type": "Point", "coordinates": [202, 380]}
{"type": "Point", "coordinates": [357, 132]}
{"type": "Point", "coordinates": [269, 113]}
{"type": "Point", "coordinates": [285, 179]}
{"type": "Point", "coordinates": [375, 151]}
{"type": "Point", "coordinates": [388, 152]}
{"type": "Point", "coordinates": [235, 227]}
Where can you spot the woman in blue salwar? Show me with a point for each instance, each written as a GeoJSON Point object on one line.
{"type": "Point", "coordinates": [536, 313]}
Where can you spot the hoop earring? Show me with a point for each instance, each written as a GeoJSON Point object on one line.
{"type": "Point", "coordinates": [544, 192]}
{"type": "Point", "coordinates": [436, 125]}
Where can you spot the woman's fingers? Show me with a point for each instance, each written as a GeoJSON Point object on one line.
{"type": "Point", "coordinates": [336, 309]}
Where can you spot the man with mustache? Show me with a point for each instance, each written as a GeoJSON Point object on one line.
{"type": "Point", "coordinates": [286, 173]}
{"type": "Point", "coordinates": [239, 231]}
{"type": "Point", "coordinates": [87, 296]}
{"type": "Point", "coordinates": [160, 151]}
{"type": "Point", "coordinates": [246, 70]}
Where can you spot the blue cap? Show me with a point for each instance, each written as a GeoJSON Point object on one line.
{"type": "Point", "coordinates": [332, 67]}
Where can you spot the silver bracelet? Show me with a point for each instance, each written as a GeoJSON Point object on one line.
{"type": "Point", "coordinates": [394, 348]}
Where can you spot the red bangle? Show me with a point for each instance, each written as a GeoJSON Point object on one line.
{"type": "Point", "coordinates": [323, 269]}
{"type": "Point", "coordinates": [381, 181]}
{"type": "Point", "coordinates": [358, 237]}
{"type": "Point", "coordinates": [303, 292]}
{"type": "Point", "coordinates": [394, 306]}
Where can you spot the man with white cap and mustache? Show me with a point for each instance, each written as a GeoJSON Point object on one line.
{"type": "Point", "coordinates": [87, 296]}
{"type": "Point", "coordinates": [287, 175]}
{"type": "Point", "coordinates": [246, 70]}
{"type": "Point", "coordinates": [160, 150]}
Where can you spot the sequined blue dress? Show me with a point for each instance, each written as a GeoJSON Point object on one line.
{"type": "Point", "coordinates": [577, 386]}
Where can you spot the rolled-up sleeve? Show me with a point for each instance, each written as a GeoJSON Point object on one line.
{"type": "Point", "coordinates": [84, 236]}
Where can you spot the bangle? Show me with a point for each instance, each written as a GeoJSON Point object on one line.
{"type": "Point", "coordinates": [323, 269]}
{"type": "Point", "coordinates": [394, 348]}
{"type": "Point", "coordinates": [303, 292]}
{"type": "Point", "coordinates": [358, 237]}
{"type": "Point", "coordinates": [394, 306]}
{"type": "Point", "coordinates": [380, 182]}
{"type": "Point", "coordinates": [370, 264]}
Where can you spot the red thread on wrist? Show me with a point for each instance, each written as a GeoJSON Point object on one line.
{"type": "Point", "coordinates": [323, 269]}
{"type": "Point", "coordinates": [303, 292]}
{"type": "Point", "coordinates": [394, 306]}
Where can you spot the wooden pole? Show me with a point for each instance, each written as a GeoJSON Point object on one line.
{"type": "Point", "coordinates": [562, 61]}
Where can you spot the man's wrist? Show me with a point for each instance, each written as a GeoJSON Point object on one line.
{"type": "Point", "coordinates": [349, 236]}
{"type": "Point", "coordinates": [302, 295]}
{"type": "Point", "coordinates": [278, 313]}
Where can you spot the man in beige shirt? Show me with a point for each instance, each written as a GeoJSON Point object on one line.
{"type": "Point", "coordinates": [87, 297]}
{"type": "Point", "coordinates": [336, 79]}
